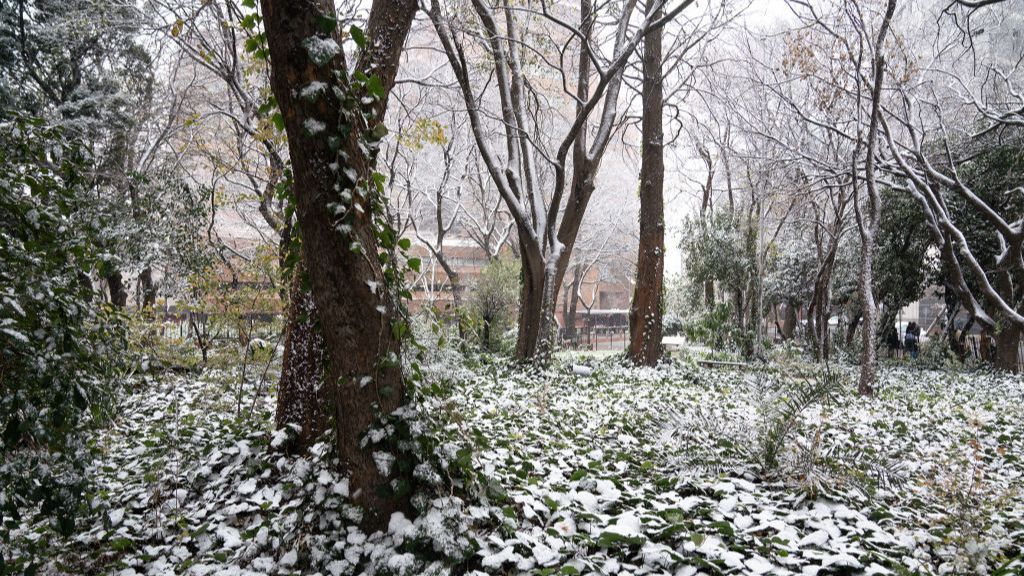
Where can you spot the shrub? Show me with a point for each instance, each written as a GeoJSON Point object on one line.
{"type": "Point", "coordinates": [59, 346]}
{"type": "Point", "coordinates": [494, 301]}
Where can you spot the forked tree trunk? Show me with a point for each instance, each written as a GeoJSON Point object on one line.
{"type": "Point", "coordinates": [356, 311]}
{"type": "Point", "coordinates": [645, 322]}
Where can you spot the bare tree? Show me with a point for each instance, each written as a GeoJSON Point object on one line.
{"type": "Point", "coordinates": [547, 222]}
{"type": "Point", "coordinates": [942, 121]}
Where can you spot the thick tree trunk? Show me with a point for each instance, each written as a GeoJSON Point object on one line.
{"type": "Point", "coordinates": [1008, 348]}
{"type": "Point", "coordinates": [529, 314]}
{"type": "Point", "coordinates": [788, 321]}
{"type": "Point", "coordinates": [356, 310]}
{"type": "Point", "coordinates": [303, 397]}
{"type": "Point", "coordinates": [537, 324]}
{"type": "Point", "coordinates": [645, 322]}
{"type": "Point", "coordinates": [1007, 336]}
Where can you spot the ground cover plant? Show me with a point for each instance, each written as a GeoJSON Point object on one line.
{"type": "Point", "coordinates": [624, 470]}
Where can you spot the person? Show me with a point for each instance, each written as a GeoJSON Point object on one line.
{"type": "Point", "coordinates": [892, 341]}
{"type": "Point", "coordinates": [911, 339]}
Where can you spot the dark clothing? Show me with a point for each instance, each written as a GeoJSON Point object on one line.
{"type": "Point", "coordinates": [911, 340]}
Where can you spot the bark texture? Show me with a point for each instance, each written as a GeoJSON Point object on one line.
{"type": "Point", "coordinates": [645, 326]}
{"type": "Point", "coordinates": [355, 311]}
{"type": "Point", "coordinates": [869, 225]}
{"type": "Point", "coordinates": [303, 398]}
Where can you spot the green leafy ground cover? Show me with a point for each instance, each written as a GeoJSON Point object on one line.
{"type": "Point", "coordinates": [677, 470]}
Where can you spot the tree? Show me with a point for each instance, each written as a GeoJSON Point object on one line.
{"type": "Point", "coordinates": [723, 251]}
{"type": "Point", "coordinates": [494, 299]}
{"type": "Point", "coordinates": [84, 66]}
{"type": "Point", "coordinates": [333, 138]}
{"type": "Point", "coordinates": [868, 225]}
{"type": "Point", "coordinates": [646, 309]}
{"type": "Point", "coordinates": [547, 223]}
{"type": "Point", "coordinates": [936, 131]}
{"type": "Point", "coordinates": [59, 344]}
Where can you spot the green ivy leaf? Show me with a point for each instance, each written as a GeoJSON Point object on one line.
{"type": "Point", "coordinates": [357, 35]}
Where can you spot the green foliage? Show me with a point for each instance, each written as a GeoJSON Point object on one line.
{"type": "Point", "coordinates": [224, 304]}
{"type": "Point", "coordinates": [782, 414]}
{"type": "Point", "coordinates": [790, 440]}
{"type": "Point", "coordinates": [494, 301]}
{"type": "Point", "coordinates": [722, 250]}
{"type": "Point", "coordinates": [713, 327]}
{"type": "Point", "coordinates": [793, 265]}
{"type": "Point", "coordinates": [902, 261]}
{"type": "Point", "coordinates": [672, 324]}
{"type": "Point", "coordinates": [992, 171]}
{"type": "Point", "coordinates": [59, 347]}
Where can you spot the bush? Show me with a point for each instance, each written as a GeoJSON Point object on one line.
{"type": "Point", "coordinates": [59, 347]}
{"type": "Point", "coordinates": [672, 324]}
{"type": "Point", "coordinates": [494, 302]}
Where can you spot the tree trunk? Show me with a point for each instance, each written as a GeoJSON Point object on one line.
{"type": "Point", "coordinates": [869, 352]}
{"type": "Point", "coordinates": [147, 287]}
{"type": "Point", "coordinates": [574, 300]}
{"type": "Point", "coordinates": [851, 330]}
{"type": "Point", "coordinates": [645, 322]}
{"type": "Point", "coordinates": [822, 329]}
{"type": "Point", "coordinates": [531, 305]}
{"type": "Point", "coordinates": [118, 292]}
{"type": "Point", "coordinates": [355, 307]}
{"type": "Point", "coordinates": [869, 355]}
{"type": "Point", "coordinates": [788, 321]}
{"type": "Point", "coordinates": [303, 398]}
{"type": "Point", "coordinates": [1008, 348]}
{"type": "Point", "coordinates": [486, 336]}
{"type": "Point", "coordinates": [821, 305]}
{"type": "Point", "coordinates": [1008, 334]}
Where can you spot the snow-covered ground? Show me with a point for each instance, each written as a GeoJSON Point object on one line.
{"type": "Point", "coordinates": [621, 471]}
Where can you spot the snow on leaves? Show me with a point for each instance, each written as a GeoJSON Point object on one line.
{"type": "Point", "coordinates": [573, 474]}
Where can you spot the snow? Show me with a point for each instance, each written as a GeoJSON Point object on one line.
{"type": "Point", "coordinates": [400, 526]}
{"type": "Point", "coordinates": [635, 471]}
{"type": "Point", "coordinates": [289, 558]}
{"type": "Point", "coordinates": [313, 90]}
{"type": "Point", "coordinates": [321, 50]}
{"type": "Point", "coordinates": [627, 525]}
{"type": "Point", "coordinates": [247, 487]}
{"type": "Point", "coordinates": [313, 126]}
